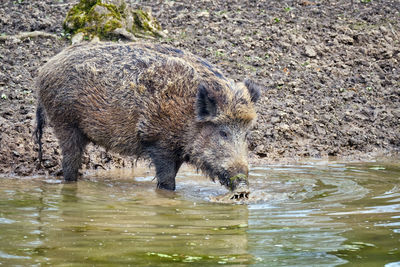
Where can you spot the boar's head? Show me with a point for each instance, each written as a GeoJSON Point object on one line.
{"type": "Point", "coordinates": [224, 115]}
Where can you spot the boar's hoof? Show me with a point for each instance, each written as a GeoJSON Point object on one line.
{"type": "Point", "coordinates": [237, 197]}
{"type": "Point", "coordinates": [240, 195]}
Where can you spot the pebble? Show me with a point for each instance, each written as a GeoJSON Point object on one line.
{"type": "Point", "coordinates": [310, 52]}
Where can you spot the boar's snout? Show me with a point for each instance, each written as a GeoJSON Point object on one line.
{"type": "Point", "coordinates": [235, 178]}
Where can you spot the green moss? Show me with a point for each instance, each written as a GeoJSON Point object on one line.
{"type": "Point", "coordinates": [143, 22]}
{"type": "Point", "coordinates": [110, 26]}
{"type": "Point", "coordinates": [77, 16]}
{"type": "Point", "coordinates": [115, 11]}
{"type": "Point", "coordinates": [95, 18]}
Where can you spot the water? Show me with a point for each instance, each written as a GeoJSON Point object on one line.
{"type": "Point", "coordinates": [314, 214]}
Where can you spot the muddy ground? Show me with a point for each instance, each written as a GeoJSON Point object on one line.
{"type": "Point", "coordinates": [331, 71]}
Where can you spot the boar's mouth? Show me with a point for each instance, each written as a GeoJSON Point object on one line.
{"type": "Point", "coordinates": [237, 183]}
{"type": "Point", "coordinates": [238, 186]}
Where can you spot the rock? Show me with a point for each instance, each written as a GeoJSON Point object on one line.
{"type": "Point", "coordinates": [297, 39]}
{"type": "Point", "coordinates": [345, 39]}
{"type": "Point", "coordinates": [310, 52]}
{"type": "Point", "coordinates": [123, 32]}
{"type": "Point", "coordinates": [203, 14]}
{"type": "Point", "coordinates": [109, 20]}
{"type": "Point", "coordinates": [275, 120]}
{"type": "Point", "coordinates": [49, 163]}
{"type": "Point", "coordinates": [237, 32]}
{"type": "Point", "coordinates": [77, 38]}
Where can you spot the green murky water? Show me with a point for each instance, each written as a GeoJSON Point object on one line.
{"type": "Point", "coordinates": [315, 214]}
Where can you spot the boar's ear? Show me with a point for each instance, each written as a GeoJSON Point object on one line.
{"type": "Point", "coordinates": [254, 90]}
{"type": "Point", "coordinates": [206, 105]}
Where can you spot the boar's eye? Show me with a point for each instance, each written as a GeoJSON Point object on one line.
{"type": "Point", "coordinates": [223, 134]}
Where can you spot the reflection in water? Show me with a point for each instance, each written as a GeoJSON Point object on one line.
{"type": "Point", "coordinates": [312, 214]}
{"type": "Point", "coordinates": [148, 225]}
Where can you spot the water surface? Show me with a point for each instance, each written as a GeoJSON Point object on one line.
{"type": "Point", "coordinates": [311, 214]}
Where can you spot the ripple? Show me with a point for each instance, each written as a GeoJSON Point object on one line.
{"type": "Point", "coordinates": [6, 221]}
{"type": "Point", "coordinates": [369, 210]}
{"type": "Point", "coordinates": [393, 264]}
{"type": "Point", "coordinates": [9, 256]}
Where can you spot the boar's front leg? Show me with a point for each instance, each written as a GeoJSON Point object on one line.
{"type": "Point", "coordinates": [167, 166]}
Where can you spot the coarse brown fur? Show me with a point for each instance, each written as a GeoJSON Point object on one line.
{"type": "Point", "coordinates": [147, 100]}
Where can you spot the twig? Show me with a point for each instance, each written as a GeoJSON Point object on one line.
{"type": "Point", "coordinates": [66, 4]}
{"type": "Point", "coordinates": [24, 35]}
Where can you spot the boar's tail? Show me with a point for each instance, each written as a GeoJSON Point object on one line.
{"type": "Point", "coordinates": [40, 123]}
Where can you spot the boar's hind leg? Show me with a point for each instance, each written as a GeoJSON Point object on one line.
{"type": "Point", "coordinates": [166, 169]}
{"type": "Point", "coordinates": [72, 142]}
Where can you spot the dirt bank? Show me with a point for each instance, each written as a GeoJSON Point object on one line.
{"type": "Point", "coordinates": [331, 70]}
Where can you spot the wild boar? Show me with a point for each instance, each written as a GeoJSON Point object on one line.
{"type": "Point", "coordinates": [150, 101]}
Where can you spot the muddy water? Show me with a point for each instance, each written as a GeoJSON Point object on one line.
{"type": "Point", "coordinates": [314, 214]}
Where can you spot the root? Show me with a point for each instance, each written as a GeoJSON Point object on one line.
{"type": "Point", "coordinates": [24, 35]}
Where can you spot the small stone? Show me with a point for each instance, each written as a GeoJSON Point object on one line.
{"type": "Point", "coordinates": [297, 39]}
{"type": "Point", "coordinates": [49, 163]}
{"type": "Point", "coordinates": [310, 52]}
{"type": "Point", "coordinates": [203, 14]}
{"type": "Point", "coordinates": [77, 38]}
{"type": "Point", "coordinates": [345, 39]}
{"type": "Point", "coordinates": [237, 32]}
{"type": "Point", "coordinates": [95, 39]}
{"type": "Point", "coordinates": [123, 32]}
{"type": "Point", "coordinates": [275, 120]}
